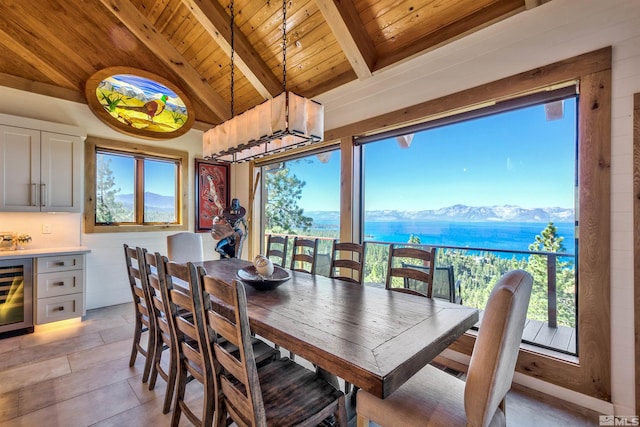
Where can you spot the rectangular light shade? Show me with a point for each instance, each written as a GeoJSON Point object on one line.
{"type": "Point", "coordinates": [284, 122]}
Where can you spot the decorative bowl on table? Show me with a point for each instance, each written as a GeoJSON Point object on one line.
{"type": "Point", "coordinates": [250, 276]}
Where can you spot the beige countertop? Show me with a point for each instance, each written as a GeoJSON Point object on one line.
{"type": "Point", "coordinates": [36, 252]}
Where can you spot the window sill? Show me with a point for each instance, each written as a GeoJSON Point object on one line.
{"type": "Point", "coordinates": [134, 228]}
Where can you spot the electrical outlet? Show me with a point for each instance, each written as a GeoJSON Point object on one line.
{"type": "Point", "coordinates": [46, 228]}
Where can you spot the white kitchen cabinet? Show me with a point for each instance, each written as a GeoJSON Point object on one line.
{"type": "Point", "coordinates": [59, 287]}
{"type": "Point", "coordinates": [40, 171]}
{"type": "Point", "coordinates": [41, 166]}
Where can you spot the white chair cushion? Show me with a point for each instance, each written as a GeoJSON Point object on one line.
{"type": "Point", "coordinates": [185, 247]}
{"type": "Point", "coordinates": [431, 397]}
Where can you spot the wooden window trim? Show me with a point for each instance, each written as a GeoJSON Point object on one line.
{"type": "Point", "coordinates": [591, 375]}
{"type": "Point", "coordinates": [94, 143]}
{"type": "Point", "coordinates": [636, 239]}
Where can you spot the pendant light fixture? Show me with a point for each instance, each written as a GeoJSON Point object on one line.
{"type": "Point", "coordinates": [284, 122]}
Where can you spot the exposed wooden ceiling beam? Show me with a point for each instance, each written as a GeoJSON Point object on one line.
{"type": "Point", "coordinates": [140, 26]}
{"type": "Point", "coordinates": [36, 61]}
{"type": "Point", "coordinates": [216, 23]}
{"type": "Point", "coordinates": [46, 89]}
{"type": "Point", "coordinates": [342, 18]}
{"type": "Point", "coordinates": [49, 39]}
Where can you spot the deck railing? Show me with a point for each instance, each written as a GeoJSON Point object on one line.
{"type": "Point", "coordinates": [551, 257]}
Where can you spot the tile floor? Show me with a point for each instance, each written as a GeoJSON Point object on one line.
{"type": "Point", "coordinates": [78, 375]}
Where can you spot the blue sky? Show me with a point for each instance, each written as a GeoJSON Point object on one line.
{"type": "Point", "coordinates": [159, 176]}
{"type": "Point", "coordinates": [516, 158]}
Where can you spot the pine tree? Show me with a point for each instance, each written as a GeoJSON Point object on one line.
{"type": "Point", "coordinates": [108, 210]}
{"type": "Point", "coordinates": [414, 239]}
{"type": "Point", "coordinates": [282, 212]}
{"type": "Point", "coordinates": [549, 241]}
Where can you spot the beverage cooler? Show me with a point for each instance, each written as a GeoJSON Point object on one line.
{"type": "Point", "coordinates": [16, 296]}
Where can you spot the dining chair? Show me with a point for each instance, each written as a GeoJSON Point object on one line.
{"type": "Point", "coordinates": [445, 286]}
{"type": "Point", "coordinates": [191, 342]}
{"type": "Point", "coordinates": [413, 266]}
{"type": "Point", "coordinates": [279, 393]}
{"type": "Point", "coordinates": [347, 262]}
{"type": "Point", "coordinates": [434, 398]}
{"type": "Point", "coordinates": [163, 340]}
{"type": "Point", "coordinates": [304, 255]}
{"type": "Point", "coordinates": [143, 320]}
{"type": "Point", "coordinates": [277, 248]}
{"type": "Point", "coordinates": [185, 246]}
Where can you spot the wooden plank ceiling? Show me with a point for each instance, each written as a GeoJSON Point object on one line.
{"type": "Point", "coordinates": [53, 46]}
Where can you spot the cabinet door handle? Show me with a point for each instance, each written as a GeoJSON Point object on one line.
{"type": "Point", "coordinates": [58, 284]}
{"type": "Point", "coordinates": [59, 264]}
{"type": "Point", "coordinates": [34, 195]}
{"type": "Point", "coordinates": [60, 308]}
{"type": "Point", "coordinates": [43, 195]}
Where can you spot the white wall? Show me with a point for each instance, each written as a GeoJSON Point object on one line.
{"type": "Point", "coordinates": [554, 31]}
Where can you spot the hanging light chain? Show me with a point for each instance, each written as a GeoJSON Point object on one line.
{"type": "Point", "coordinates": [232, 60]}
{"type": "Point", "coordinates": [284, 45]}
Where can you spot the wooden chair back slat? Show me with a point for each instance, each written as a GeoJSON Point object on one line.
{"type": "Point", "coordinates": [411, 264]}
{"type": "Point", "coordinates": [230, 362]}
{"type": "Point", "coordinates": [187, 328]}
{"type": "Point", "coordinates": [304, 255]}
{"type": "Point", "coordinates": [224, 328]}
{"type": "Point", "coordinates": [347, 261]}
{"type": "Point", "coordinates": [236, 400]}
{"type": "Point", "coordinates": [277, 249]}
{"type": "Point", "coordinates": [181, 299]}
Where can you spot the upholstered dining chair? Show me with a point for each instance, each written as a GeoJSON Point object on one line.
{"type": "Point", "coordinates": [435, 398]}
{"type": "Point", "coordinates": [277, 249]}
{"type": "Point", "coordinates": [163, 340]}
{"type": "Point", "coordinates": [185, 246]}
{"type": "Point", "coordinates": [347, 261]}
{"type": "Point", "coordinates": [413, 266]}
{"type": "Point", "coordinates": [277, 394]}
{"type": "Point", "coordinates": [304, 255]}
{"type": "Point", "coordinates": [143, 319]}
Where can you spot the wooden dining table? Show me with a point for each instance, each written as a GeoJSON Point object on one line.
{"type": "Point", "coordinates": [371, 337]}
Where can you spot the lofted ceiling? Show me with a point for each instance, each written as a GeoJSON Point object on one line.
{"type": "Point", "coordinates": [53, 46]}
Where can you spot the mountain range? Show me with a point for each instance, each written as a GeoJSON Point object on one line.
{"type": "Point", "coordinates": [457, 212]}
{"type": "Point", "coordinates": [460, 213]}
{"type": "Point", "coordinates": [152, 200]}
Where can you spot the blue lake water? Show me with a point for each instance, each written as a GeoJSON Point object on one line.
{"type": "Point", "coordinates": [490, 235]}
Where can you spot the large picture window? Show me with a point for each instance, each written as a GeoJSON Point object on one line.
{"type": "Point", "coordinates": [493, 193]}
{"type": "Point", "coordinates": [301, 196]}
